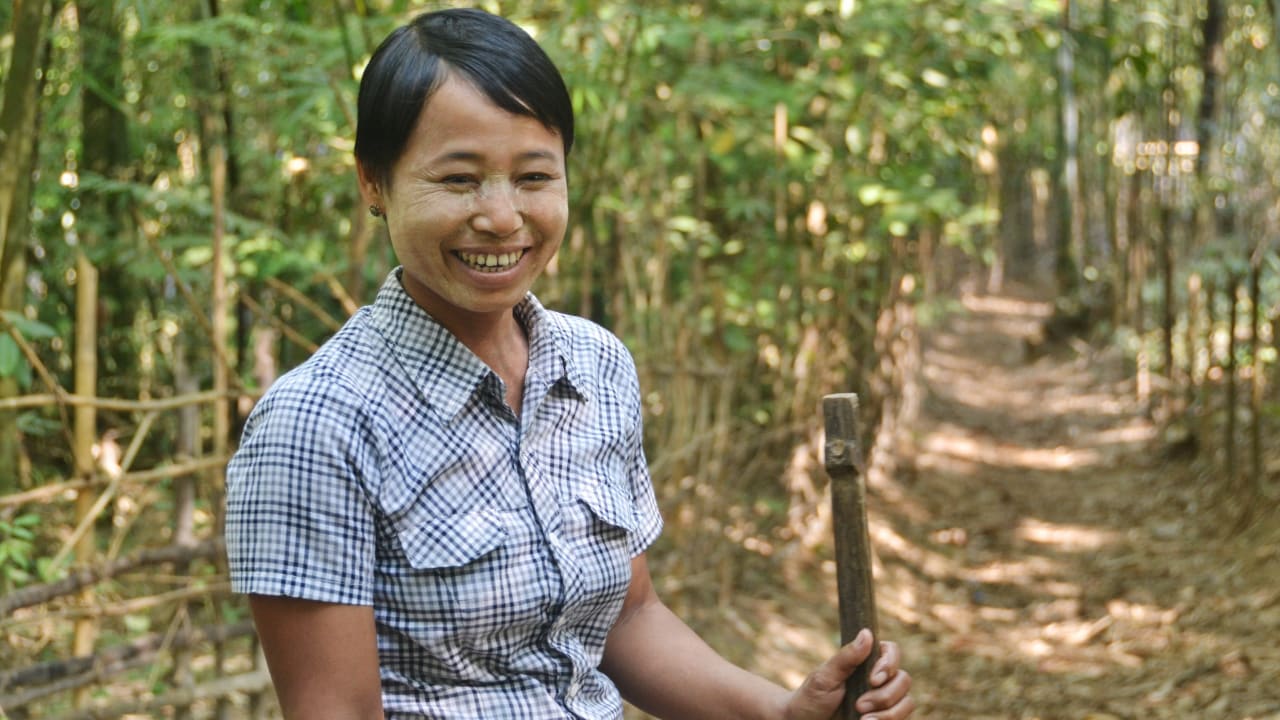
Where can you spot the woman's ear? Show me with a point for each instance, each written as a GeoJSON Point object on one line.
{"type": "Point", "coordinates": [370, 190]}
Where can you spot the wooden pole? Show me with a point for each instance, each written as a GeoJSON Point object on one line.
{"type": "Point", "coordinates": [852, 540]}
{"type": "Point", "coordinates": [86, 381]}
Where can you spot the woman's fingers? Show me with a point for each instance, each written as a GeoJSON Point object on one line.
{"type": "Point", "coordinates": [891, 701]}
{"type": "Point", "coordinates": [888, 664]}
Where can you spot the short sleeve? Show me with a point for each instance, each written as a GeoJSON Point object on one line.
{"type": "Point", "coordinates": [299, 520]}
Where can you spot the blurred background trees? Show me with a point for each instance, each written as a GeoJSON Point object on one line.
{"type": "Point", "coordinates": [766, 198]}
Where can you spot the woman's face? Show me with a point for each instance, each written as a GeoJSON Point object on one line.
{"type": "Point", "coordinates": [476, 207]}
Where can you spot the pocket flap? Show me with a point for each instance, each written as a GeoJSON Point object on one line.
{"type": "Point", "coordinates": [451, 541]}
{"type": "Point", "coordinates": [608, 504]}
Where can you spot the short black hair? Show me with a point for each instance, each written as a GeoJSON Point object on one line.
{"type": "Point", "coordinates": [495, 55]}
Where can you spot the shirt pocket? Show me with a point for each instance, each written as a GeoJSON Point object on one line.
{"type": "Point", "coordinates": [452, 541]}
{"type": "Point", "coordinates": [599, 520]}
{"type": "Point", "coordinates": [607, 504]}
{"type": "Point", "coordinates": [457, 579]}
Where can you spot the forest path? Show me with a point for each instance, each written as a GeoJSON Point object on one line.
{"type": "Point", "coordinates": [1044, 556]}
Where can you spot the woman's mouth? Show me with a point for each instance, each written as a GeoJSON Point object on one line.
{"type": "Point", "coordinates": [490, 262]}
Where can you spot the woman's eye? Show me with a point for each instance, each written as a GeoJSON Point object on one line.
{"type": "Point", "coordinates": [535, 177]}
{"type": "Point", "coordinates": [457, 180]}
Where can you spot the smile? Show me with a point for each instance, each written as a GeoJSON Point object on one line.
{"type": "Point", "coordinates": [490, 262]}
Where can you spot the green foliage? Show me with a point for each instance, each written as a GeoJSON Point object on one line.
{"type": "Point", "coordinates": [12, 362]}
{"type": "Point", "coordinates": [17, 550]}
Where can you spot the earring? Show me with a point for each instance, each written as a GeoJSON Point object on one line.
{"type": "Point", "coordinates": [376, 211]}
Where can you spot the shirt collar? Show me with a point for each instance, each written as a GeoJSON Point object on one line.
{"type": "Point", "coordinates": [550, 347]}
{"type": "Point", "coordinates": [446, 372]}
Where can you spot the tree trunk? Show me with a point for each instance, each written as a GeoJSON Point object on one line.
{"type": "Point", "coordinates": [1229, 371]}
{"type": "Point", "coordinates": [105, 152]}
{"type": "Point", "coordinates": [18, 141]}
{"type": "Point", "coordinates": [1255, 378]}
{"type": "Point", "coordinates": [1213, 66]}
{"type": "Point", "coordinates": [1070, 224]}
{"type": "Point", "coordinates": [215, 136]}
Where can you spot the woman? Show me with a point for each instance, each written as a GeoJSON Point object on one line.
{"type": "Point", "coordinates": [444, 512]}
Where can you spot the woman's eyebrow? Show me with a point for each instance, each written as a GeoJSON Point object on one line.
{"type": "Point", "coordinates": [472, 156]}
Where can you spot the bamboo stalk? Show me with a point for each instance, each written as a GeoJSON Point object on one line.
{"type": "Point", "coordinates": [184, 496]}
{"type": "Point", "coordinates": [220, 310]}
{"type": "Point", "coordinates": [1194, 377]}
{"type": "Point", "coordinates": [1229, 369]}
{"type": "Point", "coordinates": [1255, 379]}
{"type": "Point", "coordinates": [1205, 391]}
{"type": "Point", "coordinates": [85, 431]}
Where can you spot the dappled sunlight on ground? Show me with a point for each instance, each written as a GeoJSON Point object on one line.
{"type": "Point", "coordinates": [962, 447]}
{"type": "Point", "coordinates": [997, 305]}
{"type": "Point", "coordinates": [1037, 555]}
{"type": "Point", "coordinates": [1066, 537]}
{"type": "Point", "coordinates": [1058, 573]}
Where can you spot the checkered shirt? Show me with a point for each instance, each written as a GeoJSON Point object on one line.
{"type": "Point", "coordinates": [495, 549]}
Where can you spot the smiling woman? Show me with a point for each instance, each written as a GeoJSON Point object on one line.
{"type": "Point", "coordinates": [444, 512]}
{"type": "Point", "coordinates": [476, 207]}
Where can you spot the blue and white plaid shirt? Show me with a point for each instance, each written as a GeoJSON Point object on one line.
{"type": "Point", "coordinates": [495, 549]}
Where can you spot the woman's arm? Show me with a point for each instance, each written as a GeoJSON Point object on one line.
{"type": "Point", "coordinates": [323, 657]}
{"type": "Point", "coordinates": [660, 665]}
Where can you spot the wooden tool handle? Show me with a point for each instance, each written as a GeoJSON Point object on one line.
{"type": "Point", "coordinates": [843, 460]}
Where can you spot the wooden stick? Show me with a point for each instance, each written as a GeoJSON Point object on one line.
{"type": "Point", "coordinates": [852, 541]}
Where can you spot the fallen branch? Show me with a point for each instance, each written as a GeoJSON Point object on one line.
{"type": "Point", "coordinates": [250, 683]}
{"type": "Point", "coordinates": [67, 684]}
{"type": "Point", "coordinates": [194, 589]}
{"type": "Point", "coordinates": [108, 661]}
{"type": "Point", "coordinates": [85, 577]}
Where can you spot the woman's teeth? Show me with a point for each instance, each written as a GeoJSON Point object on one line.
{"type": "Point", "coordinates": [489, 262]}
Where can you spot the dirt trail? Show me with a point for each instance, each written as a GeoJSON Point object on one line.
{"type": "Point", "coordinates": [1046, 557]}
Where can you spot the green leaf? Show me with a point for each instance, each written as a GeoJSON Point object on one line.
{"type": "Point", "coordinates": [736, 339]}
{"type": "Point", "coordinates": [29, 329]}
{"type": "Point", "coordinates": [10, 357]}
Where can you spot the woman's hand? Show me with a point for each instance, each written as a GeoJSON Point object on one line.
{"type": "Point", "coordinates": [820, 694]}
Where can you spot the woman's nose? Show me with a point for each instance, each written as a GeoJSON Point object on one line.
{"type": "Point", "coordinates": [498, 209]}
